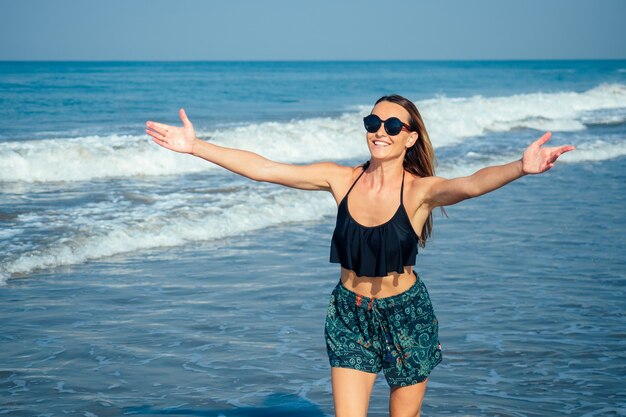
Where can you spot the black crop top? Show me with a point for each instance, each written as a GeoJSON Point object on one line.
{"type": "Point", "coordinates": [374, 251]}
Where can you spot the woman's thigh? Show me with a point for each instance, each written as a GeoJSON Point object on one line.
{"type": "Point", "coordinates": [407, 401]}
{"type": "Point", "coordinates": [351, 391]}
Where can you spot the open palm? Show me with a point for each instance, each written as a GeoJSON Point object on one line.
{"type": "Point", "coordinates": [537, 159]}
{"type": "Point", "coordinates": [179, 139]}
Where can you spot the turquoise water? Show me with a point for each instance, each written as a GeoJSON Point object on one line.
{"type": "Point", "coordinates": [138, 282]}
{"type": "Point", "coordinates": [49, 99]}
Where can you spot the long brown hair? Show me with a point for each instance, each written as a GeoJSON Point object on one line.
{"type": "Point", "coordinates": [420, 158]}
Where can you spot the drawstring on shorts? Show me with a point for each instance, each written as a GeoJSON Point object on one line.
{"type": "Point", "coordinates": [380, 321]}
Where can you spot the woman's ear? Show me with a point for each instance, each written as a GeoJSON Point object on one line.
{"type": "Point", "coordinates": [412, 139]}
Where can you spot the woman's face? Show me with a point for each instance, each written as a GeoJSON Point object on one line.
{"type": "Point", "coordinates": [380, 143]}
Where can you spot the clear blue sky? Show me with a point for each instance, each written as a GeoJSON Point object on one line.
{"type": "Point", "coordinates": [311, 30]}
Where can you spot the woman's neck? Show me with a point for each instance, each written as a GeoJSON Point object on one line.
{"type": "Point", "coordinates": [381, 172]}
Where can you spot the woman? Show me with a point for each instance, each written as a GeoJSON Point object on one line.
{"type": "Point", "coordinates": [380, 315]}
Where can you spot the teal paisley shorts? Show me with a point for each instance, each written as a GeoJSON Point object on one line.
{"type": "Point", "coordinates": [397, 334]}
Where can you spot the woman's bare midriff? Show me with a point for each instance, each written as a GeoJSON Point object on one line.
{"type": "Point", "coordinates": [378, 287]}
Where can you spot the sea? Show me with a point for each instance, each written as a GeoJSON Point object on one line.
{"type": "Point", "coordinates": [139, 281]}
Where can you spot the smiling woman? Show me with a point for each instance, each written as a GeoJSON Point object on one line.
{"type": "Point", "coordinates": [380, 316]}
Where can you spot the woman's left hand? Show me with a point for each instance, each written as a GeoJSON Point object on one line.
{"type": "Point", "coordinates": [537, 159]}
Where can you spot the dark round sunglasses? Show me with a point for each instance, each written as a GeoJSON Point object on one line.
{"type": "Point", "coordinates": [393, 125]}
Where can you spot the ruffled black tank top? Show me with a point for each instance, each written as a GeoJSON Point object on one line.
{"type": "Point", "coordinates": [377, 250]}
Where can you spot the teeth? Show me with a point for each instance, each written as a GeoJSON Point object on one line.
{"type": "Point", "coordinates": [379, 143]}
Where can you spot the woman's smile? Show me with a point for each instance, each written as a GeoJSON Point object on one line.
{"type": "Point", "coordinates": [381, 143]}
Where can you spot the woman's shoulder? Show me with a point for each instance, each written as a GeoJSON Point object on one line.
{"type": "Point", "coordinates": [336, 170]}
{"type": "Point", "coordinates": [343, 177]}
{"type": "Point", "coordinates": [418, 182]}
{"type": "Point", "coordinates": [418, 188]}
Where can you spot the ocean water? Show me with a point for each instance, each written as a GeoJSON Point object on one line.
{"type": "Point", "coordinates": [136, 281]}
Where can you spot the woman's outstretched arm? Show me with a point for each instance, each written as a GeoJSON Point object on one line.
{"type": "Point", "coordinates": [535, 160]}
{"type": "Point", "coordinates": [249, 164]}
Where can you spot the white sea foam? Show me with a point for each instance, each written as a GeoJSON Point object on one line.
{"type": "Point", "coordinates": [596, 150]}
{"type": "Point", "coordinates": [105, 229]}
{"type": "Point", "coordinates": [88, 158]}
{"type": "Point", "coordinates": [612, 116]}
{"type": "Point", "coordinates": [452, 119]}
{"type": "Point", "coordinates": [93, 157]}
{"type": "Point", "coordinates": [449, 120]}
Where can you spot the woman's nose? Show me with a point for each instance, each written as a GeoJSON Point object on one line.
{"type": "Point", "coordinates": [381, 130]}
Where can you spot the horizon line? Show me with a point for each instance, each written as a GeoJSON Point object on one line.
{"type": "Point", "coordinates": [316, 60]}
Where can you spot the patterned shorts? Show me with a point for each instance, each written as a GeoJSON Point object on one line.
{"type": "Point", "coordinates": [397, 334]}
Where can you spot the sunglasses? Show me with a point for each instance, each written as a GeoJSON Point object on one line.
{"type": "Point", "coordinates": [393, 125]}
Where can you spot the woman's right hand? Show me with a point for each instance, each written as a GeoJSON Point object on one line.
{"type": "Point", "coordinates": [178, 139]}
